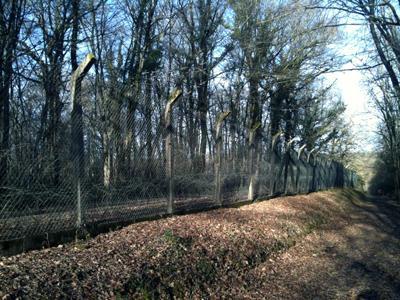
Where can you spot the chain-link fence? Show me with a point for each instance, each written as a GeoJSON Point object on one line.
{"type": "Point", "coordinates": [112, 158]}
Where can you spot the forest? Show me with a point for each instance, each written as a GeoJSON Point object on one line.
{"type": "Point", "coordinates": [101, 131]}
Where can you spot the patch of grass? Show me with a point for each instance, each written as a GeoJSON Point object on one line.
{"type": "Point", "coordinates": [259, 257]}
{"type": "Point", "coordinates": [146, 286]}
{"type": "Point", "coordinates": [205, 268]}
{"type": "Point", "coordinates": [159, 281]}
{"type": "Point", "coordinates": [314, 223]}
{"type": "Point", "coordinates": [176, 240]}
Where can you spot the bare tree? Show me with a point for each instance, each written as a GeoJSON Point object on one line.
{"type": "Point", "coordinates": [11, 19]}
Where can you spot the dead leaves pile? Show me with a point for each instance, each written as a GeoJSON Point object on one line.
{"type": "Point", "coordinates": [197, 255]}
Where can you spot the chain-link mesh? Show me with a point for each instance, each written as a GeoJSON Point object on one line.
{"type": "Point", "coordinates": [122, 174]}
{"type": "Point", "coordinates": [128, 177]}
{"type": "Point", "coordinates": [235, 175]}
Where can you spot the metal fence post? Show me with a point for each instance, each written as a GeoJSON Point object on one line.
{"type": "Point", "coordinates": [287, 159]}
{"type": "Point", "coordinates": [310, 166]}
{"type": "Point", "coordinates": [77, 130]}
{"type": "Point", "coordinates": [315, 173]}
{"type": "Point", "coordinates": [318, 177]}
{"type": "Point", "coordinates": [298, 171]}
{"type": "Point", "coordinates": [175, 95]}
{"type": "Point", "coordinates": [218, 159]}
{"type": "Point", "coordinates": [272, 180]}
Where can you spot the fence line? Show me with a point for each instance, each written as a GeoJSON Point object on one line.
{"type": "Point", "coordinates": [147, 165]}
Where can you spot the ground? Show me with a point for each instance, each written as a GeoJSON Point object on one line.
{"type": "Point", "coordinates": [336, 244]}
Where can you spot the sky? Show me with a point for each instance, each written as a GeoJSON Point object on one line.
{"type": "Point", "coordinates": [350, 85]}
{"type": "Point", "coordinates": [359, 110]}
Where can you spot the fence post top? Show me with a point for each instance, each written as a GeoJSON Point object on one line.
{"type": "Point", "coordinates": [174, 96]}
{"type": "Point", "coordinates": [84, 67]}
{"type": "Point", "coordinates": [252, 132]}
{"type": "Point", "coordinates": [296, 138]}
{"type": "Point", "coordinates": [222, 116]}
{"type": "Point", "coordinates": [301, 149]}
{"type": "Point", "coordinates": [275, 137]}
{"type": "Point", "coordinates": [255, 126]}
{"type": "Point", "coordinates": [311, 152]}
{"type": "Point", "coordinates": [288, 144]}
{"type": "Point", "coordinates": [220, 119]}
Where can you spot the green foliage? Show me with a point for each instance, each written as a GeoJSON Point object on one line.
{"type": "Point", "coordinates": [315, 222]}
{"type": "Point", "coordinates": [382, 183]}
{"type": "Point", "coordinates": [205, 268]}
{"type": "Point", "coordinates": [364, 163]}
{"type": "Point", "coordinates": [177, 241]}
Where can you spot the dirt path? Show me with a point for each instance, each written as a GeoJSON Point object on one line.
{"type": "Point", "coordinates": [357, 257]}
{"type": "Point", "coordinates": [328, 245]}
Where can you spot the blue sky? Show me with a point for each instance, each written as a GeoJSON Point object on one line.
{"type": "Point", "coordinates": [351, 86]}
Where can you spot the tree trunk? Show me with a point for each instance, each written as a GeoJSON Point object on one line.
{"type": "Point", "coordinates": [202, 90]}
{"type": "Point", "coordinates": [11, 13]}
{"type": "Point", "coordinates": [149, 127]}
{"type": "Point", "coordinates": [4, 123]}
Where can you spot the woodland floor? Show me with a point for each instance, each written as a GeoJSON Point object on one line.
{"type": "Point", "coordinates": [329, 245]}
